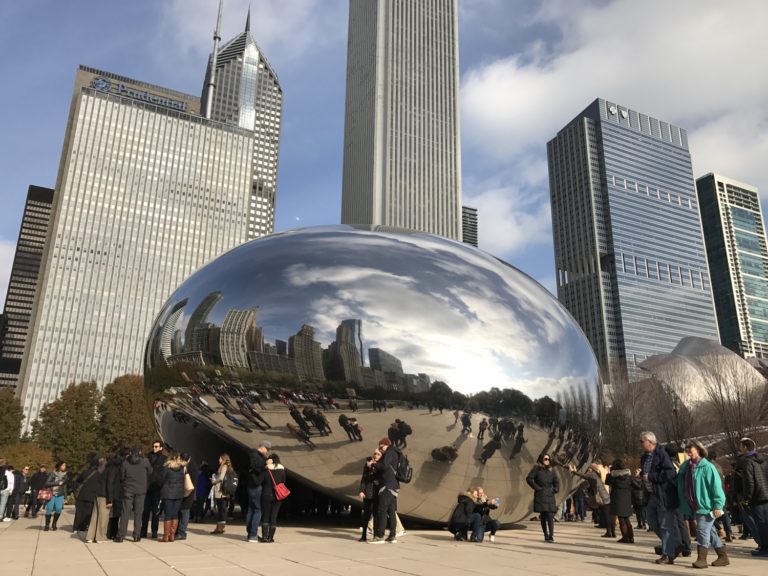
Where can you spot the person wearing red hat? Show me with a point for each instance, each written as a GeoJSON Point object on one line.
{"type": "Point", "coordinates": [388, 491]}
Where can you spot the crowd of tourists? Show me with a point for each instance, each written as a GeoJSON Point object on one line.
{"type": "Point", "coordinates": [678, 495]}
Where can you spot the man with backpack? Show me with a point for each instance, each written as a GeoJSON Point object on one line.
{"type": "Point", "coordinates": [389, 487]}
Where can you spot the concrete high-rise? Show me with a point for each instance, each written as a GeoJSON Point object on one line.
{"type": "Point", "coordinates": [738, 262]}
{"type": "Point", "coordinates": [402, 163]}
{"type": "Point", "coordinates": [147, 192]}
{"type": "Point", "coordinates": [469, 225]}
{"type": "Point", "coordinates": [247, 94]}
{"type": "Point", "coordinates": [629, 251]}
{"type": "Point", "coordinates": [23, 282]}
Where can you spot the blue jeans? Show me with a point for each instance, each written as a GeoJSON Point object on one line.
{"type": "Point", "coordinates": [55, 505]}
{"type": "Point", "coordinates": [181, 530]}
{"type": "Point", "coordinates": [664, 524]}
{"type": "Point", "coordinates": [171, 508]}
{"type": "Point", "coordinates": [756, 519]}
{"type": "Point", "coordinates": [706, 533]}
{"type": "Point", "coordinates": [253, 518]}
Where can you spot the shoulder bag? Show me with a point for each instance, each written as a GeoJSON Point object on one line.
{"type": "Point", "coordinates": [281, 490]}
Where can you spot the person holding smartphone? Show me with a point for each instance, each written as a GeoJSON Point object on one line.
{"type": "Point", "coordinates": [702, 498]}
{"type": "Point", "coordinates": [483, 506]}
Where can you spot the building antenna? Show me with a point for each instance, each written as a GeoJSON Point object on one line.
{"type": "Point", "coordinates": [214, 58]}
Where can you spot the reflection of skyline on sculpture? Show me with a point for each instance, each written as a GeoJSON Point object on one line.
{"type": "Point", "coordinates": [282, 337]}
{"type": "Point", "coordinates": [441, 329]}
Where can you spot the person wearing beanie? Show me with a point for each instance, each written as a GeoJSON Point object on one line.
{"type": "Point", "coordinates": [701, 496]}
{"type": "Point", "coordinates": [386, 508]}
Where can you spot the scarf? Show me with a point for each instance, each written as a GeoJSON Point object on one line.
{"type": "Point", "coordinates": [690, 488]}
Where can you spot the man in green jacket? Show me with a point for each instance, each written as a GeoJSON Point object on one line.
{"type": "Point", "coordinates": [702, 498]}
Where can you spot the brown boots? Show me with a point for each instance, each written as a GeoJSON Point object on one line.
{"type": "Point", "coordinates": [701, 560]}
{"type": "Point", "coordinates": [722, 557]}
{"type": "Point", "coordinates": [169, 530]}
{"type": "Point", "coordinates": [219, 529]}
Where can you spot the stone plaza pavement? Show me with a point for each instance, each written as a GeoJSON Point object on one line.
{"type": "Point", "coordinates": [578, 550]}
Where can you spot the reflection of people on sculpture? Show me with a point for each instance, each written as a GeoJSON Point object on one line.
{"type": "Point", "coordinates": [252, 416]}
{"type": "Point", "coordinates": [456, 415]}
{"type": "Point", "coordinates": [482, 427]}
{"type": "Point", "coordinates": [236, 421]}
{"type": "Point", "coordinates": [545, 485]}
{"type": "Point", "coordinates": [301, 434]}
{"type": "Point", "coordinates": [490, 449]}
{"type": "Point", "coordinates": [464, 518]}
{"type": "Point", "coordinates": [318, 419]}
{"type": "Point", "coordinates": [252, 409]}
{"type": "Point", "coordinates": [403, 430]}
{"type": "Point", "coordinates": [483, 506]}
{"type": "Point", "coordinates": [356, 428]}
{"type": "Point", "coordinates": [353, 405]}
{"type": "Point", "coordinates": [466, 422]}
{"type": "Point", "coordinates": [345, 425]}
{"type": "Point", "coordinates": [493, 424]}
{"type": "Point", "coordinates": [518, 446]}
{"type": "Point", "coordinates": [369, 488]}
{"type": "Point", "coordinates": [296, 415]}
{"type": "Point", "coordinates": [445, 454]}
{"type": "Point", "coordinates": [507, 429]}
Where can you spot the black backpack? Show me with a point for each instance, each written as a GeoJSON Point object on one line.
{"type": "Point", "coordinates": [403, 468]}
{"type": "Point", "coordinates": [405, 429]}
{"type": "Point", "coordinates": [229, 483]}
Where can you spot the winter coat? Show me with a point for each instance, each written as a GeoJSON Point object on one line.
{"type": "Point", "coordinates": [113, 481]}
{"type": "Point", "coordinates": [545, 485]}
{"type": "Point", "coordinates": [88, 482]}
{"type": "Point", "coordinates": [38, 480]}
{"type": "Point", "coordinates": [278, 472]}
{"type": "Point", "coordinates": [386, 468]}
{"type": "Point", "coordinates": [708, 488]}
{"type": "Point", "coordinates": [369, 482]}
{"type": "Point", "coordinates": [484, 508]}
{"type": "Point", "coordinates": [257, 471]}
{"type": "Point", "coordinates": [135, 476]}
{"type": "Point", "coordinates": [58, 482]}
{"type": "Point", "coordinates": [620, 482]}
{"type": "Point", "coordinates": [220, 474]}
{"type": "Point", "coordinates": [750, 479]}
{"type": "Point", "coordinates": [157, 462]}
{"type": "Point", "coordinates": [172, 483]}
{"type": "Point", "coordinates": [465, 507]}
{"type": "Point", "coordinates": [596, 492]}
{"type": "Point", "coordinates": [189, 499]}
{"type": "Point", "coordinates": [639, 495]}
{"type": "Point", "coordinates": [662, 477]}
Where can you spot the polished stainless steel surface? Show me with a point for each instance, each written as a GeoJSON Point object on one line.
{"type": "Point", "coordinates": [440, 333]}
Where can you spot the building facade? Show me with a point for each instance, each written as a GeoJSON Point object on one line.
{"type": "Point", "coordinates": [147, 192]}
{"type": "Point", "coordinates": [469, 225]}
{"type": "Point", "coordinates": [23, 282]}
{"type": "Point", "coordinates": [629, 251]}
{"type": "Point", "coordinates": [737, 251]}
{"type": "Point", "coordinates": [247, 94]}
{"type": "Point", "coordinates": [401, 130]}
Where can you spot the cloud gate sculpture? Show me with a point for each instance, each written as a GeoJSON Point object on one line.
{"type": "Point", "coordinates": [324, 340]}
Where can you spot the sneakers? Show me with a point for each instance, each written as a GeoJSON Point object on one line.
{"type": "Point", "coordinates": [401, 533]}
{"type": "Point", "coordinates": [7, 519]}
{"type": "Point", "coordinates": [376, 541]}
{"type": "Point", "coordinates": [492, 538]}
{"type": "Point", "coordinates": [392, 540]}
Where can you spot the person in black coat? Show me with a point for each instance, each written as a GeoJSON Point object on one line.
{"type": "Point", "coordinates": [97, 527]}
{"type": "Point", "coordinates": [620, 481]}
{"type": "Point", "coordinates": [464, 517]}
{"type": "Point", "coordinates": [639, 499]}
{"type": "Point", "coordinates": [171, 493]}
{"type": "Point", "coordinates": [114, 492]}
{"type": "Point", "coordinates": [545, 484]}
{"type": "Point", "coordinates": [134, 472]}
{"type": "Point", "coordinates": [152, 499]}
{"type": "Point", "coordinates": [490, 449]}
{"type": "Point", "coordinates": [369, 488]}
{"type": "Point", "coordinates": [270, 505]}
{"type": "Point", "coordinates": [87, 493]}
{"type": "Point", "coordinates": [37, 483]}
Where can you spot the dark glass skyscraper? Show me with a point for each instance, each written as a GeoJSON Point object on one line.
{"type": "Point", "coordinates": [629, 252]}
{"type": "Point", "coordinates": [738, 260]}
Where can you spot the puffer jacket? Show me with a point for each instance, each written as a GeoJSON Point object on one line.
{"type": "Point", "coordinates": [465, 507]}
{"type": "Point", "coordinates": [750, 479]}
{"type": "Point", "coordinates": [545, 484]}
{"type": "Point", "coordinates": [369, 483]}
{"type": "Point", "coordinates": [620, 482]}
{"type": "Point", "coordinates": [172, 483]}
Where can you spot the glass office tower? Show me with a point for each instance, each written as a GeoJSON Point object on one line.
{"type": "Point", "coordinates": [629, 252]}
{"type": "Point", "coordinates": [248, 94]}
{"type": "Point", "coordinates": [147, 192]}
{"type": "Point", "coordinates": [402, 161]}
{"type": "Point", "coordinates": [738, 260]}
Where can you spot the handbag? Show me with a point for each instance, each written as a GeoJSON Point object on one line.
{"type": "Point", "coordinates": [189, 486]}
{"type": "Point", "coordinates": [44, 494]}
{"type": "Point", "coordinates": [281, 490]}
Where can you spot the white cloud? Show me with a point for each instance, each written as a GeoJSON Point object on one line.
{"type": "Point", "coordinates": [287, 29]}
{"type": "Point", "coordinates": [696, 63]}
{"type": "Point", "coordinates": [7, 250]}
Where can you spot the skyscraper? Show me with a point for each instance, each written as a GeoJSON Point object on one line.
{"type": "Point", "coordinates": [147, 192]}
{"type": "Point", "coordinates": [247, 94]}
{"type": "Point", "coordinates": [469, 225]}
{"type": "Point", "coordinates": [738, 261]}
{"type": "Point", "coordinates": [401, 131]}
{"type": "Point", "coordinates": [629, 252]}
{"type": "Point", "coordinates": [23, 282]}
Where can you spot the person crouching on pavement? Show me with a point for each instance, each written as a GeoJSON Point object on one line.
{"type": "Point", "coordinates": [464, 518]}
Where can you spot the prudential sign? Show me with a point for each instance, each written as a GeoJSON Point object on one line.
{"type": "Point", "coordinates": [106, 85]}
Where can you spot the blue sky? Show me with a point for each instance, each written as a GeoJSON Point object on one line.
{"type": "Point", "coordinates": [527, 68]}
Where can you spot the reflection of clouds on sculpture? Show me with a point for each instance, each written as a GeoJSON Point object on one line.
{"type": "Point", "coordinates": [381, 316]}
